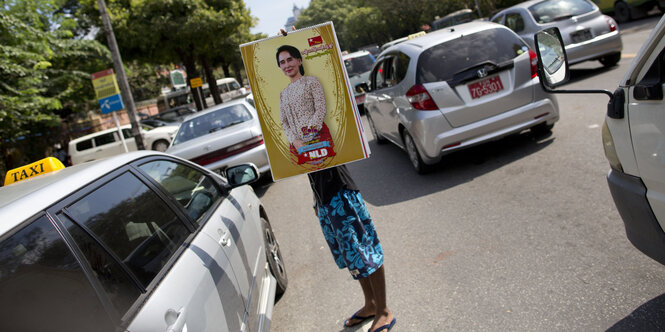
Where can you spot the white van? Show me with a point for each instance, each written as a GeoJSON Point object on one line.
{"type": "Point", "coordinates": [633, 135]}
{"type": "Point", "coordinates": [107, 143]}
{"type": "Point", "coordinates": [229, 89]}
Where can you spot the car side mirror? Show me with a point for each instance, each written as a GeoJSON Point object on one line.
{"type": "Point", "coordinates": [242, 174]}
{"type": "Point", "coordinates": [552, 60]}
{"type": "Point", "coordinates": [362, 88]}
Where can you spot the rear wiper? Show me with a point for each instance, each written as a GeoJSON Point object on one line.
{"type": "Point", "coordinates": [232, 123]}
{"type": "Point", "coordinates": [479, 71]}
{"type": "Point", "coordinates": [562, 17]}
{"type": "Point", "coordinates": [215, 129]}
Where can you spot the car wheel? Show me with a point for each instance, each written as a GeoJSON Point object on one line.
{"type": "Point", "coordinates": [610, 60]}
{"type": "Point", "coordinates": [274, 257]}
{"type": "Point", "coordinates": [379, 139]}
{"type": "Point", "coordinates": [414, 155]}
{"type": "Point", "coordinates": [622, 12]}
{"type": "Point", "coordinates": [160, 145]}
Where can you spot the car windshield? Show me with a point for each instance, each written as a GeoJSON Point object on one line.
{"type": "Point", "coordinates": [358, 65]}
{"type": "Point", "coordinates": [441, 62]}
{"type": "Point", "coordinates": [212, 122]}
{"type": "Point", "coordinates": [556, 10]}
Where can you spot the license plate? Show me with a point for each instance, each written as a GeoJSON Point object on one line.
{"type": "Point", "coordinates": [486, 86]}
{"type": "Point", "coordinates": [580, 36]}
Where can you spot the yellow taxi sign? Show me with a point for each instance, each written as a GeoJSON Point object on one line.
{"type": "Point", "coordinates": [45, 165]}
{"type": "Point", "coordinates": [416, 35]}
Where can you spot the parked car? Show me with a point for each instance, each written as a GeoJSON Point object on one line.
{"type": "Point", "coordinates": [626, 10]}
{"type": "Point", "coordinates": [221, 136]}
{"type": "Point", "coordinates": [141, 241]}
{"type": "Point", "coordinates": [454, 18]}
{"type": "Point", "coordinates": [107, 142]}
{"type": "Point", "coordinates": [358, 66]}
{"type": "Point", "coordinates": [633, 136]}
{"type": "Point", "coordinates": [454, 88]}
{"type": "Point", "coordinates": [176, 114]}
{"type": "Point", "coordinates": [587, 33]}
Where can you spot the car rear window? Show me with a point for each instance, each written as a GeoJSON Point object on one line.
{"type": "Point", "coordinates": [441, 62]}
{"type": "Point", "coordinates": [555, 10]}
{"type": "Point", "coordinates": [211, 122]}
{"type": "Point", "coordinates": [358, 65]}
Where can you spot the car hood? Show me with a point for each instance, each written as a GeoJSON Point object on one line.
{"type": "Point", "coordinates": [215, 141]}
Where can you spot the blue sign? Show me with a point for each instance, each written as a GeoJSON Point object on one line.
{"type": "Point", "coordinates": [111, 104]}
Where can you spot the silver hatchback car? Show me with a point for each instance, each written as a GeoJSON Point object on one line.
{"type": "Point", "coordinates": [221, 136]}
{"type": "Point", "coordinates": [455, 88]}
{"type": "Point", "coordinates": [587, 33]}
{"type": "Point", "coordinates": [142, 241]}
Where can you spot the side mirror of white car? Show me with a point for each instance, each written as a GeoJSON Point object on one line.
{"type": "Point", "coordinates": [552, 60]}
{"type": "Point", "coordinates": [242, 174]}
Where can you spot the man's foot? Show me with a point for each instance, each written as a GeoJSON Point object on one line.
{"type": "Point", "coordinates": [360, 316]}
{"type": "Point", "coordinates": [383, 322]}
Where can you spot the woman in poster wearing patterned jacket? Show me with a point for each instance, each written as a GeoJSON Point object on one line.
{"type": "Point", "coordinates": [302, 110]}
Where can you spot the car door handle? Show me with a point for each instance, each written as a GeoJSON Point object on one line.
{"type": "Point", "coordinates": [225, 237]}
{"type": "Point", "coordinates": [176, 320]}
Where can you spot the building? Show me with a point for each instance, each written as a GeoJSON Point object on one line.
{"type": "Point", "coordinates": [291, 21]}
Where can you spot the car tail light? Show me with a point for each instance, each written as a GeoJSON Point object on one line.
{"type": "Point", "coordinates": [420, 98]}
{"type": "Point", "coordinates": [533, 58]}
{"type": "Point", "coordinates": [229, 151]}
{"type": "Point", "coordinates": [612, 24]}
{"type": "Point", "coordinates": [360, 99]}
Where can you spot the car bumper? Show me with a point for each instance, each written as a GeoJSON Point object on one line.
{"type": "Point", "coordinates": [256, 156]}
{"type": "Point", "coordinates": [605, 44]}
{"type": "Point", "coordinates": [437, 143]}
{"type": "Point", "coordinates": [642, 227]}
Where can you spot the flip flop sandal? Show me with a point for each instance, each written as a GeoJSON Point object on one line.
{"type": "Point", "coordinates": [387, 327]}
{"type": "Point", "coordinates": [355, 316]}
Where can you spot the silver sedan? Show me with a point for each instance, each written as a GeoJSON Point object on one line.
{"type": "Point", "coordinates": [221, 136]}
{"type": "Point", "coordinates": [455, 88]}
{"type": "Point", "coordinates": [587, 33]}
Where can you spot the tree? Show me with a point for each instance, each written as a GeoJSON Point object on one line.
{"type": "Point", "coordinates": [45, 76]}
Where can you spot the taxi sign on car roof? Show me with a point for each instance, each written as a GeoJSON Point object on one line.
{"type": "Point", "coordinates": [45, 165]}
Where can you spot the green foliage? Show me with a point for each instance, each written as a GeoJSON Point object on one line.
{"type": "Point", "coordinates": [365, 22]}
{"type": "Point", "coordinates": [45, 71]}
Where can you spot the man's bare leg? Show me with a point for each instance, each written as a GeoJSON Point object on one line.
{"type": "Point", "coordinates": [383, 315]}
{"type": "Point", "coordinates": [369, 309]}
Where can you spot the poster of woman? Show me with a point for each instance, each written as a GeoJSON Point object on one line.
{"type": "Point", "coordinates": [305, 104]}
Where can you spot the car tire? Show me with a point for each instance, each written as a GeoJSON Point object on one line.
{"type": "Point", "coordinates": [610, 60]}
{"type": "Point", "coordinates": [414, 155]}
{"type": "Point", "coordinates": [379, 139]}
{"type": "Point", "coordinates": [160, 145]}
{"type": "Point", "coordinates": [622, 12]}
{"type": "Point", "coordinates": [274, 258]}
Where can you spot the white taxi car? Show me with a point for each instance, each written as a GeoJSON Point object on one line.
{"type": "Point", "coordinates": [142, 241]}
{"type": "Point", "coordinates": [633, 135]}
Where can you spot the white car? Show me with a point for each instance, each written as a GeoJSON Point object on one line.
{"type": "Point", "coordinates": [221, 136]}
{"type": "Point", "coordinates": [633, 136]}
{"type": "Point", "coordinates": [141, 241]}
{"type": "Point", "coordinates": [107, 143]}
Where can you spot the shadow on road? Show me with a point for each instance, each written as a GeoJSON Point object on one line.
{"type": "Point", "coordinates": [648, 317]}
{"type": "Point", "coordinates": [389, 170]}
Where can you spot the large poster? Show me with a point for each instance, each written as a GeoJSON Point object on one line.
{"type": "Point", "coordinates": [306, 107]}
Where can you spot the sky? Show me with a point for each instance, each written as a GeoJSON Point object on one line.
{"type": "Point", "coordinates": [272, 14]}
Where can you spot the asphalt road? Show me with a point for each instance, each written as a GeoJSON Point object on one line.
{"type": "Point", "coordinates": [515, 235]}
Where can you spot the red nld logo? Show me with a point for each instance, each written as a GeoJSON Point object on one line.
{"type": "Point", "coordinates": [315, 41]}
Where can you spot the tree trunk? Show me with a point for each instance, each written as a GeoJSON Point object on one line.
{"type": "Point", "coordinates": [225, 67]}
{"type": "Point", "coordinates": [212, 83]}
{"type": "Point", "coordinates": [190, 67]}
{"type": "Point", "coordinates": [236, 70]}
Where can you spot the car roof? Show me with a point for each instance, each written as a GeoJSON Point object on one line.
{"type": "Point", "coordinates": [216, 108]}
{"type": "Point", "coordinates": [356, 54]}
{"type": "Point", "coordinates": [22, 200]}
{"type": "Point", "coordinates": [419, 44]}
